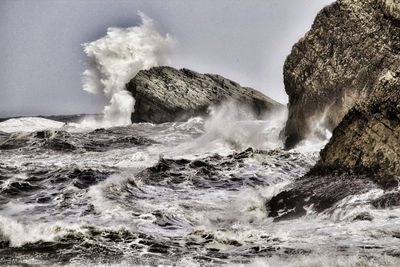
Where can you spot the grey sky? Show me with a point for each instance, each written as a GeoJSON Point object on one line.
{"type": "Point", "coordinates": [42, 58]}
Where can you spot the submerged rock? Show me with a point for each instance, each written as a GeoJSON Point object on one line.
{"type": "Point", "coordinates": [339, 61]}
{"type": "Point", "coordinates": [165, 94]}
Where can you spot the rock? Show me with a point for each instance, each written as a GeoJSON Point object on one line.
{"type": "Point", "coordinates": [368, 138]}
{"type": "Point", "coordinates": [165, 94]}
{"type": "Point", "coordinates": [316, 192]}
{"type": "Point", "coordinates": [363, 216]}
{"type": "Point", "coordinates": [363, 154]}
{"type": "Point", "coordinates": [339, 61]}
{"type": "Point", "coordinates": [389, 200]}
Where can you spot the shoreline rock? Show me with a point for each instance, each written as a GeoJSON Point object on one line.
{"type": "Point", "coordinates": [363, 154]}
{"type": "Point", "coordinates": [368, 138]}
{"type": "Point", "coordinates": [339, 61]}
{"type": "Point", "coordinates": [166, 94]}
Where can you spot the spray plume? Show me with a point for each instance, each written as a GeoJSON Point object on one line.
{"type": "Point", "coordinates": [115, 59]}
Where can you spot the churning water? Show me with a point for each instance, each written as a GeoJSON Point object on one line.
{"type": "Point", "coordinates": [186, 193]}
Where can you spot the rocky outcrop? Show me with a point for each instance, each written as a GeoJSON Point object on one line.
{"type": "Point", "coordinates": [165, 94]}
{"type": "Point", "coordinates": [368, 138]}
{"type": "Point", "coordinates": [363, 154]}
{"type": "Point", "coordinates": [339, 61]}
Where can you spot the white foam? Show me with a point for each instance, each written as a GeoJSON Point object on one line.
{"type": "Point", "coordinates": [236, 127]}
{"type": "Point", "coordinates": [18, 233]}
{"type": "Point", "coordinates": [318, 137]}
{"type": "Point", "coordinates": [29, 124]}
{"type": "Point", "coordinates": [115, 59]}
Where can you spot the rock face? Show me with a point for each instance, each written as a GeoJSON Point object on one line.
{"type": "Point", "coordinates": [368, 138]}
{"type": "Point", "coordinates": [339, 61]}
{"type": "Point", "coordinates": [165, 94]}
{"type": "Point", "coordinates": [363, 154]}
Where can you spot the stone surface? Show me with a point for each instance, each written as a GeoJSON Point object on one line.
{"type": "Point", "coordinates": [351, 43]}
{"type": "Point", "coordinates": [368, 138]}
{"type": "Point", "coordinates": [165, 94]}
{"type": "Point", "coordinates": [363, 154]}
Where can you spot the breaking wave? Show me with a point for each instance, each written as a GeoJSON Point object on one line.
{"type": "Point", "coordinates": [115, 59]}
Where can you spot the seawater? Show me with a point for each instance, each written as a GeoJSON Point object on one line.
{"type": "Point", "coordinates": [175, 194]}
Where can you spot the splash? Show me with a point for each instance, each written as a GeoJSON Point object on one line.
{"type": "Point", "coordinates": [318, 137]}
{"type": "Point", "coordinates": [236, 126]}
{"type": "Point", "coordinates": [115, 59]}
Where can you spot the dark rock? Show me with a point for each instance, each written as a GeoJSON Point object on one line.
{"type": "Point", "coordinates": [339, 61]}
{"type": "Point", "coordinates": [320, 192]}
{"type": "Point", "coordinates": [388, 200]}
{"type": "Point", "coordinates": [363, 216]}
{"type": "Point", "coordinates": [165, 94]}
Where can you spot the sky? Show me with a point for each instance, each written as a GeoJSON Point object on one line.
{"type": "Point", "coordinates": [42, 59]}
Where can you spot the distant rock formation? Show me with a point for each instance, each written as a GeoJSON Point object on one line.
{"type": "Point", "coordinates": [165, 94]}
{"type": "Point", "coordinates": [350, 45]}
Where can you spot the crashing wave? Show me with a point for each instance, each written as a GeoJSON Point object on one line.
{"type": "Point", "coordinates": [115, 59]}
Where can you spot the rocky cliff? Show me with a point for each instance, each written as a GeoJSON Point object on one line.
{"type": "Point", "coordinates": [165, 94]}
{"type": "Point", "coordinates": [368, 138]}
{"type": "Point", "coordinates": [364, 151]}
{"type": "Point", "coordinates": [339, 61]}
{"type": "Point", "coordinates": [363, 154]}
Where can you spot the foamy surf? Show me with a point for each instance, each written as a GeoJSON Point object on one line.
{"type": "Point", "coordinates": [175, 193]}
{"type": "Point", "coordinates": [29, 124]}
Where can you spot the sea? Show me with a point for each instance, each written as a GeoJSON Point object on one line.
{"type": "Point", "coordinates": [190, 193]}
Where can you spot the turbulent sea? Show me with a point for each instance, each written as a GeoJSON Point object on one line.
{"type": "Point", "coordinates": [183, 194]}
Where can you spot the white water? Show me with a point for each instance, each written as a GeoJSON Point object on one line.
{"type": "Point", "coordinates": [236, 215]}
{"type": "Point", "coordinates": [115, 59]}
{"type": "Point", "coordinates": [28, 124]}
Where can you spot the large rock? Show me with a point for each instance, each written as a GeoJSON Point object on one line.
{"type": "Point", "coordinates": [368, 138]}
{"type": "Point", "coordinates": [165, 94]}
{"type": "Point", "coordinates": [339, 61]}
{"type": "Point", "coordinates": [363, 154]}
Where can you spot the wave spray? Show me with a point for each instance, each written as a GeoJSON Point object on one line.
{"type": "Point", "coordinates": [115, 59]}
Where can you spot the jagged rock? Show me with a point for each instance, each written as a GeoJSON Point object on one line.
{"type": "Point", "coordinates": [368, 138]}
{"type": "Point", "coordinates": [165, 94]}
{"type": "Point", "coordinates": [363, 154]}
{"type": "Point", "coordinates": [351, 43]}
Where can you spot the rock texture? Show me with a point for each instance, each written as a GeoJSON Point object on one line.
{"type": "Point", "coordinates": [368, 138]}
{"type": "Point", "coordinates": [339, 61]}
{"type": "Point", "coordinates": [363, 154]}
{"type": "Point", "coordinates": [165, 94]}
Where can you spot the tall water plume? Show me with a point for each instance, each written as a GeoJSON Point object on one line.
{"type": "Point", "coordinates": [115, 59]}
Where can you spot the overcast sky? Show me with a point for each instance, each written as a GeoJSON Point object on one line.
{"type": "Point", "coordinates": [41, 57]}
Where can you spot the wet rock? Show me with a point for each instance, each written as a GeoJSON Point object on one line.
{"type": "Point", "coordinates": [318, 193]}
{"type": "Point", "coordinates": [363, 216]}
{"type": "Point", "coordinates": [388, 200]}
{"type": "Point", "coordinates": [210, 172]}
{"type": "Point", "coordinates": [368, 138]}
{"type": "Point", "coordinates": [339, 61]}
{"type": "Point", "coordinates": [165, 94]}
